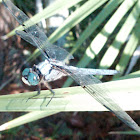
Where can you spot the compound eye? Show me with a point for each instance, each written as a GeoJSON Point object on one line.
{"type": "Point", "coordinates": [25, 72]}
{"type": "Point", "coordinates": [33, 78]}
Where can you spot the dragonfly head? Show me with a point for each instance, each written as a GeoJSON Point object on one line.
{"type": "Point", "coordinates": [31, 77]}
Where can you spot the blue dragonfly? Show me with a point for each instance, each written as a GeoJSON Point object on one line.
{"type": "Point", "coordinates": [54, 66]}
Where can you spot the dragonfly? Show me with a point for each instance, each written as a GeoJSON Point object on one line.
{"type": "Point", "coordinates": [54, 66]}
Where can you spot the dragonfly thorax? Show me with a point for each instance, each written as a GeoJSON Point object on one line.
{"type": "Point", "coordinates": [31, 76]}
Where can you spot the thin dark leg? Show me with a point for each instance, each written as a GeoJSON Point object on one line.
{"type": "Point", "coordinates": [49, 87]}
{"type": "Point", "coordinates": [39, 89]}
{"type": "Point", "coordinates": [38, 92]}
{"type": "Point", "coordinates": [53, 93]}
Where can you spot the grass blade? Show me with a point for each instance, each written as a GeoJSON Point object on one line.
{"type": "Point", "coordinates": [124, 133]}
{"type": "Point", "coordinates": [77, 100]}
{"type": "Point", "coordinates": [29, 117]}
{"type": "Point", "coordinates": [99, 41]}
{"type": "Point", "coordinates": [48, 12]}
{"type": "Point", "coordinates": [121, 37]}
{"type": "Point", "coordinates": [73, 98]}
{"type": "Point", "coordinates": [72, 20]}
{"type": "Point", "coordinates": [131, 75]}
{"type": "Point", "coordinates": [76, 17]}
{"type": "Point", "coordinates": [129, 50]}
{"type": "Point", "coordinates": [111, 5]}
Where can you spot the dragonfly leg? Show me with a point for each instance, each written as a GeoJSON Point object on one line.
{"type": "Point", "coordinates": [53, 93]}
{"type": "Point", "coordinates": [38, 92]}
{"type": "Point", "coordinates": [39, 89]}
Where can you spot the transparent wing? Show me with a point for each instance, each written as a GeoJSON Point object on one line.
{"type": "Point", "coordinates": [56, 74]}
{"type": "Point", "coordinates": [26, 37]}
{"type": "Point", "coordinates": [35, 34]}
{"type": "Point", "coordinates": [90, 84]}
{"type": "Point", "coordinates": [87, 71]}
